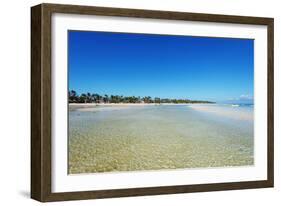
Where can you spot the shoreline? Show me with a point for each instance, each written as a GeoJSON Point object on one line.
{"type": "Point", "coordinates": [132, 104]}
{"type": "Point", "coordinates": [110, 106]}
{"type": "Point", "coordinates": [230, 112]}
{"type": "Point", "coordinates": [207, 108]}
{"type": "Point", "coordinates": [115, 106]}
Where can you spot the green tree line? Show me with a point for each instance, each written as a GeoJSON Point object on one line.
{"type": "Point", "coordinates": [74, 97]}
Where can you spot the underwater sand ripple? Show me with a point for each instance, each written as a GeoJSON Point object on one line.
{"type": "Point", "coordinates": [163, 137]}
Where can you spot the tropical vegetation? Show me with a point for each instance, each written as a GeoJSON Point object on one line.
{"type": "Point", "coordinates": [74, 97]}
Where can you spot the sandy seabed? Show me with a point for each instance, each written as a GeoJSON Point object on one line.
{"type": "Point", "coordinates": [108, 138]}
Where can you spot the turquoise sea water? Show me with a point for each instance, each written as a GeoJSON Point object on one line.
{"type": "Point", "coordinates": [153, 137]}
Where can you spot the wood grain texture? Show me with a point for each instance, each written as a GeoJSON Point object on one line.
{"type": "Point", "coordinates": [270, 102]}
{"type": "Point", "coordinates": [138, 13]}
{"type": "Point", "coordinates": [41, 83]}
{"type": "Point", "coordinates": [36, 58]}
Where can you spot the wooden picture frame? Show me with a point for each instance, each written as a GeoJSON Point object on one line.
{"type": "Point", "coordinates": [41, 116]}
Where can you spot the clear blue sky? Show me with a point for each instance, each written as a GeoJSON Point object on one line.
{"type": "Point", "coordinates": [199, 68]}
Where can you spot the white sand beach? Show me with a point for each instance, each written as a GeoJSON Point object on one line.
{"type": "Point", "coordinates": [230, 111]}
{"type": "Point", "coordinates": [111, 106]}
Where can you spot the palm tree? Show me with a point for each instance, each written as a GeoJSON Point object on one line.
{"type": "Point", "coordinates": [105, 98]}
{"type": "Point", "coordinates": [120, 98]}
{"type": "Point", "coordinates": [95, 98]}
{"type": "Point", "coordinates": [72, 96]}
{"type": "Point", "coordinates": [89, 98]}
{"type": "Point", "coordinates": [83, 98]}
{"type": "Point", "coordinates": [147, 99]}
{"type": "Point", "coordinates": [99, 97]}
{"type": "Point", "coordinates": [157, 100]}
{"type": "Point", "coordinates": [113, 99]}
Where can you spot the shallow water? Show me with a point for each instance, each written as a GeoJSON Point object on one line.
{"type": "Point", "coordinates": [131, 138]}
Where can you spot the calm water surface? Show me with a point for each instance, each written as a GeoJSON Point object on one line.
{"type": "Point", "coordinates": [131, 138]}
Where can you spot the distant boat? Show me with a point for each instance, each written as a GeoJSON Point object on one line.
{"type": "Point", "coordinates": [235, 105]}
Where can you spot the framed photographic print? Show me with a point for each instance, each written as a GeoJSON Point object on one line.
{"type": "Point", "coordinates": [132, 102]}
